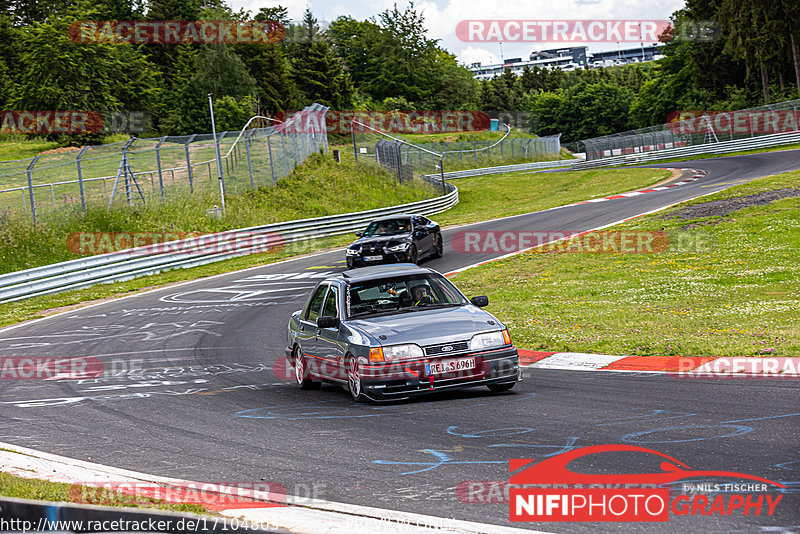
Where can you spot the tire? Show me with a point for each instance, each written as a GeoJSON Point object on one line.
{"type": "Point", "coordinates": [412, 255]}
{"type": "Point", "coordinates": [497, 388]}
{"type": "Point", "coordinates": [301, 375]}
{"type": "Point", "coordinates": [439, 247]}
{"type": "Point", "coordinates": [354, 385]}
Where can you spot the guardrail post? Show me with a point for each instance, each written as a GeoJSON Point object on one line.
{"type": "Point", "coordinates": [249, 161]}
{"type": "Point", "coordinates": [80, 177]}
{"type": "Point", "coordinates": [189, 162]}
{"type": "Point", "coordinates": [30, 187]}
{"type": "Point", "coordinates": [158, 165]}
{"type": "Point", "coordinates": [271, 164]}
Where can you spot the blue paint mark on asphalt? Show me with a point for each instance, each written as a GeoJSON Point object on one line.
{"type": "Point", "coordinates": [763, 418]}
{"type": "Point", "coordinates": [795, 465]}
{"type": "Point", "coordinates": [738, 430]}
{"type": "Point", "coordinates": [489, 433]}
{"type": "Point", "coordinates": [318, 410]}
{"type": "Point", "coordinates": [561, 448]}
{"type": "Point", "coordinates": [443, 459]}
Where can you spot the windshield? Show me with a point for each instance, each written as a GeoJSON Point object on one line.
{"type": "Point", "coordinates": [388, 227]}
{"type": "Point", "coordinates": [402, 294]}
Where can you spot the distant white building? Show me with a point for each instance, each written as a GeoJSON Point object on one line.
{"type": "Point", "coordinates": [568, 59]}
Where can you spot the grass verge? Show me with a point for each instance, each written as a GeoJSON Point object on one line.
{"type": "Point", "coordinates": [493, 196]}
{"type": "Point", "coordinates": [317, 188]}
{"type": "Point", "coordinates": [727, 285]}
{"type": "Point", "coordinates": [43, 490]}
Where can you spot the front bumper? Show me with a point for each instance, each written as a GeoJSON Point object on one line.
{"type": "Point", "coordinates": [404, 379]}
{"type": "Point", "coordinates": [390, 257]}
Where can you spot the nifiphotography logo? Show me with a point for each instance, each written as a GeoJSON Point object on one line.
{"type": "Point", "coordinates": [549, 491]}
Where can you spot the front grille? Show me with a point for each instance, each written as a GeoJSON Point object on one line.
{"type": "Point", "coordinates": [435, 350]}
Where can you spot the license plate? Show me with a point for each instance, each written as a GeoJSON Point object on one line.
{"type": "Point", "coordinates": [373, 258]}
{"type": "Point", "coordinates": [450, 366]}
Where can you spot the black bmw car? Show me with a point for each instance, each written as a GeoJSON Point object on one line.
{"type": "Point", "coordinates": [396, 239]}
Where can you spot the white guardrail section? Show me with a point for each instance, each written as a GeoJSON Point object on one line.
{"type": "Point", "coordinates": [503, 169]}
{"type": "Point", "coordinates": [131, 263]}
{"type": "Point", "coordinates": [723, 147]}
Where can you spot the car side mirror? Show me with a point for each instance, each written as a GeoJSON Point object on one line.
{"type": "Point", "coordinates": [328, 322]}
{"type": "Point", "coordinates": [359, 234]}
{"type": "Point", "coordinates": [480, 301]}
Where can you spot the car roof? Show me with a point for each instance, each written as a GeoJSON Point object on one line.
{"type": "Point", "coordinates": [393, 217]}
{"type": "Point", "coordinates": [378, 271]}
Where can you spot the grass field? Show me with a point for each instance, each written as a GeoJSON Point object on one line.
{"type": "Point", "coordinates": [727, 285]}
{"type": "Point", "coordinates": [42, 490]}
{"type": "Point", "coordinates": [501, 195]}
{"type": "Point", "coordinates": [317, 188]}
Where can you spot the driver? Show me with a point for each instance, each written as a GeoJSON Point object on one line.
{"type": "Point", "coordinates": [420, 293]}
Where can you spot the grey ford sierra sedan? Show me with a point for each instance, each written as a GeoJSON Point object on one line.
{"type": "Point", "coordinates": [395, 331]}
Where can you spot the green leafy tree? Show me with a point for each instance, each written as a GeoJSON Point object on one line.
{"type": "Point", "coordinates": [57, 74]}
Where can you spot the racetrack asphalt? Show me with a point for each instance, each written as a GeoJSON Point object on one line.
{"type": "Point", "coordinates": [199, 393]}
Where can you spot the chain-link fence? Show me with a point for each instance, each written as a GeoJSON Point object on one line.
{"type": "Point", "coordinates": [154, 170]}
{"type": "Point", "coordinates": [409, 159]}
{"type": "Point", "coordinates": [693, 128]}
{"type": "Point", "coordinates": [459, 155]}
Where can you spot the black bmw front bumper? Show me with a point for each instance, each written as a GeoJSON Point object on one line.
{"type": "Point", "coordinates": [390, 257]}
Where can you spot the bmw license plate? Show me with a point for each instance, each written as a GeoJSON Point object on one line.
{"type": "Point", "coordinates": [450, 366]}
{"type": "Point", "coordinates": [373, 258]}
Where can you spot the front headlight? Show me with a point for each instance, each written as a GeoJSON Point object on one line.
{"type": "Point", "coordinates": [353, 251]}
{"type": "Point", "coordinates": [489, 340]}
{"type": "Point", "coordinates": [402, 247]}
{"type": "Point", "coordinates": [402, 352]}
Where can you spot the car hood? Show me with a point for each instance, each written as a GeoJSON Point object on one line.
{"type": "Point", "coordinates": [382, 241]}
{"type": "Point", "coordinates": [429, 327]}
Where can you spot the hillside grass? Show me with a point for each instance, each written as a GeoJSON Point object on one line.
{"type": "Point", "coordinates": [725, 286]}
{"type": "Point", "coordinates": [317, 188]}
{"type": "Point", "coordinates": [502, 195]}
{"type": "Point", "coordinates": [43, 490]}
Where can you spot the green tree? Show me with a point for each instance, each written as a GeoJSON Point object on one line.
{"type": "Point", "coordinates": [57, 74]}
{"type": "Point", "coordinates": [319, 77]}
{"type": "Point", "coordinates": [217, 70]}
{"type": "Point", "coordinates": [274, 86]}
{"type": "Point", "coordinates": [502, 93]}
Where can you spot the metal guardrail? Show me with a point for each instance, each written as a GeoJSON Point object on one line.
{"type": "Point", "coordinates": [191, 252]}
{"type": "Point", "coordinates": [722, 147]}
{"type": "Point", "coordinates": [504, 168]}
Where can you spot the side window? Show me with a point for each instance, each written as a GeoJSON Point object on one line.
{"type": "Point", "coordinates": [315, 305]}
{"type": "Point", "coordinates": [423, 220]}
{"type": "Point", "coordinates": [417, 222]}
{"type": "Point", "coordinates": [329, 309]}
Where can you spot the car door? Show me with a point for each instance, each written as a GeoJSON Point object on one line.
{"type": "Point", "coordinates": [423, 236]}
{"type": "Point", "coordinates": [330, 346]}
{"type": "Point", "coordinates": [308, 327]}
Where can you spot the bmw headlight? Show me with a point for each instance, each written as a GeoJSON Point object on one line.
{"type": "Point", "coordinates": [490, 340]}
{"type": "Point", "coordinates": [402, 352]}
{"type": "Point", "coordinates": [402, 247]}
{"type": "Point", "coordinates": [353, 251]}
